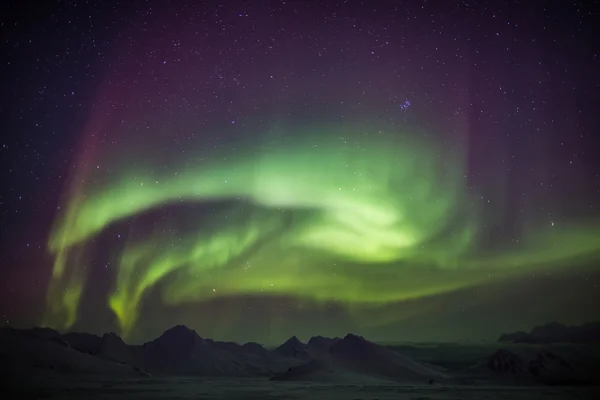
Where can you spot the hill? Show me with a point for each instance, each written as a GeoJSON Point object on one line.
{"type": "Point", "coordinates": [555, 332]}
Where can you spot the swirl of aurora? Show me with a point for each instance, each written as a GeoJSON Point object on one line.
{"type": "Point", "coordinates": [326, 214]}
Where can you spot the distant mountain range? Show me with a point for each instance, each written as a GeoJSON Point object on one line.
{"type": "Point", "coordinates": [555, 332]}
{"type": "Point", "coordinates": [348, 360]}
{"type": "Point", "coordinates": [541, 367]}
{"type": "Point", "coordinates": [181, 351]}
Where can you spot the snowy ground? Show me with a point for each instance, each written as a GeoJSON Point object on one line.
{"type": "Point", "coordinates": [41, 382]}
{"type": "Point", "coordinates": [262, 389]}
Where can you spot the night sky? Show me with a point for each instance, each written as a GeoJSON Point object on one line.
{"type": "Point", "coordinates": [258, 169]}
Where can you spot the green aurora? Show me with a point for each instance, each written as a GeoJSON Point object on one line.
{"type": "Point", "coordinates": [364, 220]}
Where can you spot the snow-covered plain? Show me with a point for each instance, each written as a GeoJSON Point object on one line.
{"type": "Point", "coordinates": [95, 388]}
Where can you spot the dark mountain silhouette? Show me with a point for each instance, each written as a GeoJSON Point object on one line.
{"type": "Point", "coordinates": [355, 359]}
{"type": "Point", "coordinates": [326, 370]}
{"type": "Point", "coordinates": [178, 350]}
{"type": "Point", "coordinates": [359, 355]}
{"type": "Point", "coordinates": [181, 351]}
{"type": "Point", "coordinates": [293, 348]}
{"type": "Point", "coordinates": [555, 332]}
{"type": "Point", "coordinates": [504, 361]}
{"type": "Point", "coordinates": [543, 367]}
{"type": "Point", "coordinates": [23, 352]}
{"type": "Point", "coordinates": [547, 365]}
{"type": "Point", "coordinates": [255, 349]}
{"type": "Point", "coordinates": [109, 346]}
{"type": "Point", "coordinates": [319, 344]}
{"type": "Point", "coordinates": [84, 342]}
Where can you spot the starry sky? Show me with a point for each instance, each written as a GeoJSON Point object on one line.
{"type": "Point", "coordinates": [423, 171]}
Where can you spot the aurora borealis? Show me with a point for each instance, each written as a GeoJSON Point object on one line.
{"type": "Point", "coordinates": [383, 206]}
{"type": "Point", "coordinates": [362, 169]}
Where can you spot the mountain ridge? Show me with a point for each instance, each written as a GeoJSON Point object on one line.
{"type": "Point", "coordinates": [180, 351]}
{"type": "Point", "coordinates": [555, 332]}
